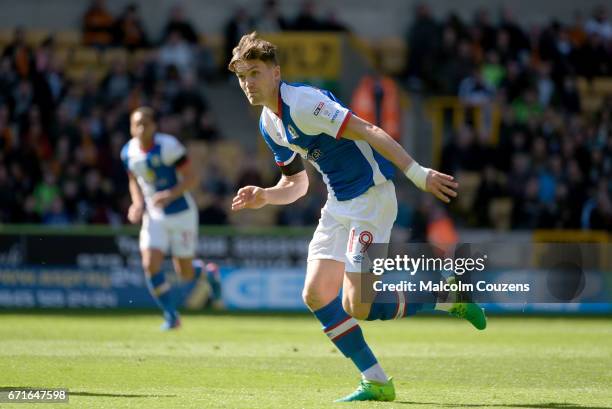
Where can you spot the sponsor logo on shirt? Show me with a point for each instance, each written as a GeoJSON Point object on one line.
{"type": "Point", "coordinates": [314, 155]}
{"type": "Point", "coordinates": [318, 108]}
{"type": "Point", "coordinates": [335, 116]}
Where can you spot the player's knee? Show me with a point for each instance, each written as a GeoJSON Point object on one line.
{"type": "Point", "coordinates": [313, 298]}
{"type": "Point", "coordinates": [150, 267]}
{"type": "Point", "coordinates": [355, 309]}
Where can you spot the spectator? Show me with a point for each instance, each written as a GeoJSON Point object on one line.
{"type": "Point", "coordinates": [117, 83]}
{"type": "Point", "coordinates": [20, 55]}
{"type": "Point", "coordinates": [176, 53]}
{"type": "Point", "coordinates": [56, 215]}
{"type": "Point", "coordinates": [129, 31]}
{"type": "Point", "coordinates": [307, 19]}
{"type": "Point", "coordinates": [473, 90]}
{"type": "Point", "coordinates": [178, 23]}
{"type": "Point", "coordinates": [239, 24]}
{"type": "Point", "coordinates": [422, 43]}
{"type": "Point", "coordinates": [333, 24]}
{"type": "Point", "coordinates": [98, 25]}
{"type": "Point", "coordinates": [599, 24]}
{"type": "Point", "coordinates": [270, 20]}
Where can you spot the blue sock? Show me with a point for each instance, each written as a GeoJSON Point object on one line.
{"type": "Point", "coordinates": [344, 331]}
{"type": "Point", "coordinates": [214, 279]}
{"type": "Point", "coordinates": [161, 291]}
{"type": "Point", "coordinates": [394, 305]}
{"type": "Point", "coordinates": [198, 268]}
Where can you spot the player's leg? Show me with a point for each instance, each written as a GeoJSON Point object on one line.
{"type": "Point", "coordinates": [183, 232]}
{"type": "Point", "coordinates": [153, 245]}
{"type": "Point", "coordinates": [324, 278]}
{"type": "Point", "coordinates": [372, 224]}
{"type": "Point", "coordinates": [396, 305]}
{"type": "Point", "coordinates": [321, 288]}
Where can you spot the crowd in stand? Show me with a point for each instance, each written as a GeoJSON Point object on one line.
{"type": "Point", "coordinates": [553, 159]}
{"type": "Point", "coordinates": [60, 138]}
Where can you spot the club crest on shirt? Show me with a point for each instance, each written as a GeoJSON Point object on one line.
{"type": "Point", "coordinates": [155, 160]}
{"type": "Point", "coordinates": [292, 132]}
{"type": "Point", "coordinates": [149, 176]}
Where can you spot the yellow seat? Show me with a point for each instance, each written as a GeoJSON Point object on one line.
{"type": "Point", "coordinates": [34, 37]}
{"type": "Point", "coordinates": [85, 56]}
{"type": "Point", "coordinates": [112, 55]}
{"type": "Point", "coordinates": [602, 85]}
{"type": "Point", "coordinates": [500, 213]}
{"type": "Point", "coordinates": [392, 55]}
{"type": "Point", "coordinates": [216, 44]}
{"type": "Point", "coordinates": [468, 186]}
{"type": "Point", "coordinates": [67, 38]}
{"type": "Point", "coordinates": [62, 54]}
{"type": "Point", "coordinates": [79, 74]}
{"type": "Point", "coordinates": [6, 36]}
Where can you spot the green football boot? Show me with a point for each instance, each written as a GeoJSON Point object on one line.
{"type": "Point", "coordinates": [371, 390]}
{"type": "Point", "coordinates": [471, 312]}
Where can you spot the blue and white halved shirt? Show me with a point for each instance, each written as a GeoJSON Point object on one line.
{"type": "Point", "coordinates": [310, 123]}
{"type": "Point", "coordinates": [156, 170]}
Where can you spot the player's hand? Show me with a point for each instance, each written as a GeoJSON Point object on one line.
{"type": "Point", "coordinates": [441, 185]}
{"type": "Point", "coordinates": [135, 213]}
{"type": "Point", "coordinates": [163, 198]}
{"type": "Point", "coordinates": [249, 197]}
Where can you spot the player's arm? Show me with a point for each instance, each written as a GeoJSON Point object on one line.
{"type": "Point", "coordinates": [137, 207]}
{"type": "Point", "coordinates": [439, 184]}
{"type": "Point", "coordinates": [189, 180]}
{"type": "Point", "coordinates": [292, 185]}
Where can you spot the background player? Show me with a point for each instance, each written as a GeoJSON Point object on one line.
{"type": "Point", "coordinates": [160, 178]}
{"type": "Point", "coordinates": [355, 159]}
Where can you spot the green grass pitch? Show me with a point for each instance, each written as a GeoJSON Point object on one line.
{"type": "Point", "coordinates": [224, 361]}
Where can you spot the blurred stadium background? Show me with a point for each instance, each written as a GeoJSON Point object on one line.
{"type": "Point", "coordinates": [512, 98]}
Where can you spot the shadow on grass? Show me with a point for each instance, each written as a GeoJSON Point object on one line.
{"type": "Point", "coordinates": [550, 405]}
{"type": "Point", "coordinates": [81, 393]}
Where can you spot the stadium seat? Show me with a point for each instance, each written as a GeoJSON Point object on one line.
{"type": "Point", "coordinates": [112, 55]}
{"type": "Point", "coordinates": [592, 93]}
{"type": "Point", "coordinates": [137, 56]}
{"type": "Point", "coordinates": [393, 55]}
{"type": "Point", "coordinates": [603, 85]}
{"type": "Point", "coordinates": [468, 186]}
{"type": "Point", "coordinates": [34, 37]}
{"type": "Point", "coordinates": [78, 74]}
{"type": "Point", "coordinates": [500, 213]}
{"type": "Point", "coordinates": [266, 216]}
{"type": "Point", "coordinates": [67, 38]}
{"type": "Point", "coordinates": [62, 54]}
{"type": "Point", "coordinates": [85, 56]}
{"type": "Point", "coordinates": [6, 36]}
{"type": "Point", "coordinates": [199, 153]}
{"type": "Point", "coordinates": [232, 156]}
{"type": "Point", "coordinates": [216, 43]}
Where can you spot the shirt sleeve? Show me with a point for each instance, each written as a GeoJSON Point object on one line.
{"type": "Point", "coordinates": [173, 152]}
{"type": "Point", "coordinates": [316, 113]}
{"type": "Point", "coordinates": [282, 155]}
{"type": "Point", "coordinates": [124, 157]}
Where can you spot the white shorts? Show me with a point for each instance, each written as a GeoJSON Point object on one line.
{"type": "Point", "coordinates": [347, 228]}
{"type": "Point", "coordinates": [177, 232]}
